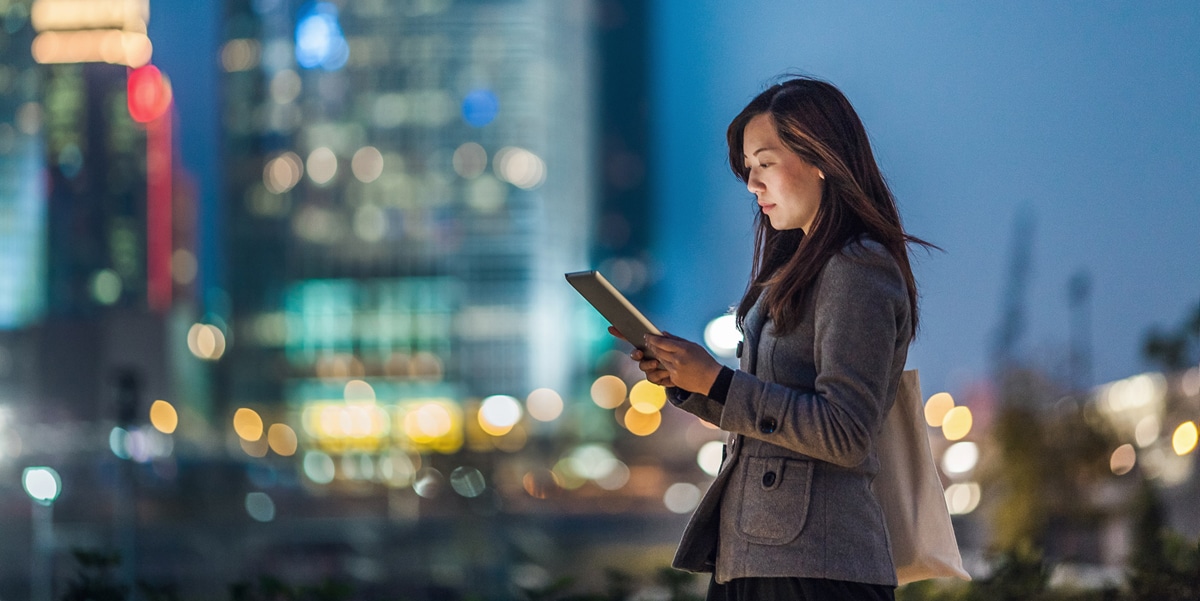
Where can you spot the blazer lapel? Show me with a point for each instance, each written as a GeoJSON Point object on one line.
{"type": "Point", "coordinates": [750, 335]}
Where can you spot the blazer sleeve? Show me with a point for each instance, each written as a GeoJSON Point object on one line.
{"type": "Point", "coordinates": [697, 404]}
{"type": "Point", "coordinates": [861, 309]}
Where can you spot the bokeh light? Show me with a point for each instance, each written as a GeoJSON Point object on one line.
{"type": "Point", "coordinates": [183, 266]}
{"type": "Point", "coordinates": [240, 54]}
{"type": "Point", "coordinates": [682, 497]}
{"type": "Point", "coordinates": [118, 442]}
{"type": "Point", "coordinates": [248, 424]}
{"type": "Point", "coordinates": [722, 336]}
{"type": "Point", "coordinates": [282, 439]}
{"type": "Point", "coordinates": [544, 405]}
{"type": "Point", "coordinates": [283, 172]}
{"type": "Point", "coordinates": [539, 483]}
{"type": "Point", "coordinates": [470, 160]}
{"type": "Point", "coordinates": [358, 391]}
{"type": "Point", "coordinates": [163, 417]}
{"type": "Point", "coordinates": [936, 408]}
{"type": "Point", "coordinates": [642, 424]}
{"type": "Point", "coordinates": [429, 482]}
{"type": "Point", "coordinates": [609, 392]}
{"type": "Point", "coordinates": [106, 287]}
{"type": "Point", "coordinates": [42, 484]}
{"type": "Point", "coordinates": [960, 458]}
{"type": "Point", "coordinates": [480, 107]}
{"type": "Point", "coordinates": [260, 506]}
{"type": "Point", "coordinates": [322, 165]}
{"type": "Point", "coordinates": [206, 341]}
{"type": "Point", "coordinates": [647, 397]}
{"type": "Point", "coordinates": [1123, 459]}
{"type": "Point", "coordinates": [519, 167]}
{"type": "Point", "coordinates": [616, 479]}
{"type": "Point", "coordinates": [709, 457]}
{"type": "Point", "coordinates": [1147, 431]}
{"type": "Point", "coordinates": [319, 38]}
{"type": "Point", "coordinates": [962, 499]}
{"type": "Point", "coordinates": [467, 481]}
{"type": "Point", "coordinates": [367, 164]}
{"type": "Point", "coordinates": [318, 467]}
{"type": "Point", "coordinates": [254, 448]}
{"type": "Point", "coordinates": [1184, 439]}
{"type": "Point", "coordinates": [592, 461]}
{"type": "Point", "coordinates": [498, 414]}
{"type": "Point", "coordinates": [957, 423]}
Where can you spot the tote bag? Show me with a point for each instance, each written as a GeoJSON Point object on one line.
{"type": "Point", "coordinates": [910, 492]}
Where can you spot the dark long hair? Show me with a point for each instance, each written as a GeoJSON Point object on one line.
{"type": "Point", "coordinates": [816, 122]}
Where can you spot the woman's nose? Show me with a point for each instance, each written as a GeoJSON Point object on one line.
{"type": "Point", "coordinates": [754, 185]}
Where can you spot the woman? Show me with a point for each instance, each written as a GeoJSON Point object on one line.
{"type": "Point", "coordinates": [826, 320]}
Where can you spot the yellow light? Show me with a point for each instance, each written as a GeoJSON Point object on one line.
{"type": "Point", "coordinates": [247, 424]}
{"type": "Point", "coordinates": [163, 417]}
{"type": "Point", "coordinates": [282, 439]}
{"type": "Point", "coordinates": [642, 424]}
{"type": "Point", "coordinates": [957, 423]}
{"type": "Point", "coordinates": [544, 405]}
{"type": "Point", "coordinates": [936, 408]}
{"type": "Point", "coordinates": [130, 15]}
{"type": "Point", "coordinates": [1123, 459]}
{"type": "Point", "coordinates": [609, 392]}
{"type": "Point", "coordinates": [429, 424]}
{"type": "Point", "coordinates": [1184, 440]}
{"type": "Point", "coordinates": [92, 46]}
{"type": "Point", "coordinates": [647, 397]}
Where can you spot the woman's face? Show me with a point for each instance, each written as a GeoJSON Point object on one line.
{"type": "Point", "coordinates": [788, 187]}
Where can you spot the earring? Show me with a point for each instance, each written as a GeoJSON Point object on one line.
{"type": "Point", "coordinates": [820, 174]}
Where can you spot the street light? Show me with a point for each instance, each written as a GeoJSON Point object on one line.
{"type": "Point", "coordinates": [43, 485]}
{"type": "Point", "coordinates": [722, 337]}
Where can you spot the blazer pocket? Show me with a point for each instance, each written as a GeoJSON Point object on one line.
{"type": "Point", "coordinates": [775, 496]}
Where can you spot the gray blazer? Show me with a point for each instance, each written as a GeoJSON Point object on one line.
{"type": "Point", "coordinates": [793, 496]}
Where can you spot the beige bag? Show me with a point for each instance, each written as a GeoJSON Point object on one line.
{"type": "Point", "coordinates": [910, 492]}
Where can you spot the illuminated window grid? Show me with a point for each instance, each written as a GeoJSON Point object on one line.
{"type": "Point", "coordinates": [371, 317]}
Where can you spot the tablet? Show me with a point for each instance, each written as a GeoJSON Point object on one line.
{"type": "Point", "coordinates": [614, 307]}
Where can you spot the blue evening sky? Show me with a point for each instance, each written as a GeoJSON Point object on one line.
{"type": "Point", "coordinates": [1083, 114]}
{"type": "Point", "coordinates": [1086, 115]}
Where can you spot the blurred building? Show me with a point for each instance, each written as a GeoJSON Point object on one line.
{"type": "Point", "coordinates": [407, 183]}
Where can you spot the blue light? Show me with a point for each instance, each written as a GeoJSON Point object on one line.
{"type": "Point", "coordinates": [480, 107]}
{"type": "Point", "coordinates": [319, 40]}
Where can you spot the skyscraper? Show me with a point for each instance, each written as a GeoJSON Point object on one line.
{"type": "Point", "coordinates": [407, 184]}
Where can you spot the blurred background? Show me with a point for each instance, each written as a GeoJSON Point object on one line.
{"type": "Point", "coordinates": [281, 294]}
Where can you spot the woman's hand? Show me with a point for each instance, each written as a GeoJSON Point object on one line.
{"type": "Point", "coordinates": [654, 372]}
{"type": "Point", "coordinates": [678, 362]}
{"type": "Point", "coordinates": [687, 364]}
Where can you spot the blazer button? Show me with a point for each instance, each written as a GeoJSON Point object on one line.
{"type": "Point", "coordinates": [767, 425]}
{"type": "Point", "coordinates": [769, 479]}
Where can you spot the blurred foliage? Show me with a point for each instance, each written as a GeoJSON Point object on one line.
{"type": "Point", "coordinates": [270, 588]}
{"type": "Point", "coordinates": [1048, 455]}
{"type": "Point", "coordinates": [95, 581]}
{"type": "Point", "coordinates": [1177, 349]}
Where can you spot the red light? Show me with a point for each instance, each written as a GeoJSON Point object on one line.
{"type": "Point", "coordinates": [149, 94]}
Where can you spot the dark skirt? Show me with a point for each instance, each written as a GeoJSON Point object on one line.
{"type": "Point", "coordinates": [798, 589]}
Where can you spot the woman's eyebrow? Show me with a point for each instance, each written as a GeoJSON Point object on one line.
{"type": "Point", "coordinates": [758, 151]}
